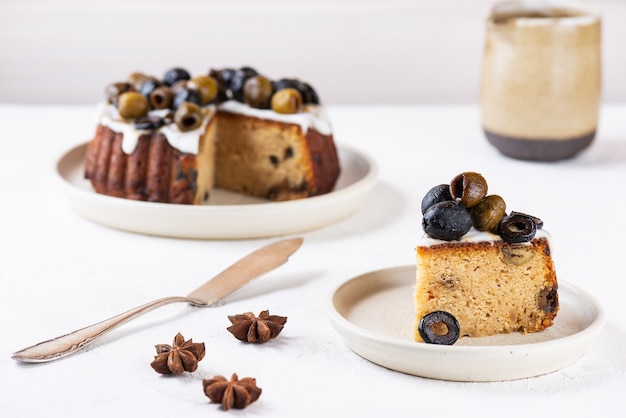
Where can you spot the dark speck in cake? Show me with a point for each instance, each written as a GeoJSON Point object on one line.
{"type": "Point", "coordinates": [449, 281]}
{"type": "Point", "coordinates": [288, 153]}
{"type": "Point", "coordinates": [302, 187]}
{"type": "Point", "coordinates": [272, 193]}
{"type": "Point", "coordinates": [548, 300]}
{"type": "Point", "coordinates": [274, 160]}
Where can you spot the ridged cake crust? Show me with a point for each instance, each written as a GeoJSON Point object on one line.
{"type": "Point", "coordinates": [259, 157]}
{"type": "Point", "coordinates": [491, 287]}
{"type": "Point", "coordinates": [154, 172]}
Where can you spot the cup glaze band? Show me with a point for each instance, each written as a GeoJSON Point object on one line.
{"type": "Point", "coordinates": [539, 149]}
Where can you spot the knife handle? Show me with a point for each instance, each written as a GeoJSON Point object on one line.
{"type": "Point", "coordinates": [67, 344]}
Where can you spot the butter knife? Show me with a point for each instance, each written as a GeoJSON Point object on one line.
{"type": "Point", "coordinates": [243, 271]}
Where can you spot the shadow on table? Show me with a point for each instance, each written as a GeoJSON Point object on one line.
{"type": "Point", "coordinates": [277, 282]}
{"type": "Point", "coordinates": [382, 207]}
{"type": "Point", "coordinates": [608, 151]}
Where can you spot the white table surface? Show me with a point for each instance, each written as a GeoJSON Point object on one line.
{"type": "Point", "coordinates": [59, 272]}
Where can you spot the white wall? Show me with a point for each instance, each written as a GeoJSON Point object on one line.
{"type": "Point", "coordinates": [381, 51]}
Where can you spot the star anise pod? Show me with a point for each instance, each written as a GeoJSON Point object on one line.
{"type": "Point", "coordinates": [231, 394]}
{"type": "Point", "coordinates": [183, 356]}
{"type": "Point", "coordinates": [247, 327]}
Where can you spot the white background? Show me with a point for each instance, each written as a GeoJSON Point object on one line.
{"type": "Point", "coordinates": [353, 52]}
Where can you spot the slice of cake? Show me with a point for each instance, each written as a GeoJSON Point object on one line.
{"type": "Point", "coordinates": [173, 139]}
{"type": "Point", "coordinates": [480, 272]}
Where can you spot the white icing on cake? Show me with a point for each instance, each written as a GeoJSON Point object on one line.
{"type": "Point", "coordinates": [183, 141]}
{"type": "Point", "coordinates": [475, 235]}
{"type": "Point", "coordinates": [313, 116]}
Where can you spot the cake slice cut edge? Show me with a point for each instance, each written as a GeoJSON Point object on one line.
{"type": "Point", "coordinates": [490, 286]}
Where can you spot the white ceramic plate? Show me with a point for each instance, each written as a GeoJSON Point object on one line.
{"type": "Point", "coordinates": [374, 314]}
{"type": "Point", "coordinates": [228, 215]}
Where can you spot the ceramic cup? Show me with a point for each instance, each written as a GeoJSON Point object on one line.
{"type": "Point", "coordinates": [541, 79]}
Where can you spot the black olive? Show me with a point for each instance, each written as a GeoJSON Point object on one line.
{"type": "Point", "coordinates": [448, 220]}
{"type": "Point", "coordinates": [517, 228]}
{"type": "Point", "coordinates": [439, 327]}
{"type": "Point", "coordinates": [306, 91]}
{"type": "Point", "coordinates": [223, 78]}
{"type": "Point", "coordinates": [149, 122]}
{"type": "Point", "coordinates": [148, 86]}
{"type": "Point", "coordinates": [237, 81]}
{"type": "Point", "coordinates": [309, 95]}
{"type": "Point", "coordinates": [175, 74]}
{"type": "Point", "coordinates": [186, 95]}
{"type": "Point", "coordinates": [285, 83]}
{"type": "Point", "coordinates": [538, 222]}
{"type": "Point", "coordinates": [437, 194]}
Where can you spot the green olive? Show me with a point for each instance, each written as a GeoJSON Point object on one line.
{"type": "Point", "coordinates": [486, 215]}
{"type": "Point", "coordinates": [287, 100]}
{"type": "Point", "coordinates": [257, 92]}
{"type": "Point", "coordinates": [161, 98]}
{"type": "Point", "coordinates": [469, 188]}
{"type": "Point", "coordinates": [188, 116]}
{"type": "Point", "coordinates": [205, 85]}
{"type": "Point", "coordinates": [132, 105]}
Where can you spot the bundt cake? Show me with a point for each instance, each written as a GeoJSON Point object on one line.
{"type": "Point", "coordinates": [480, 272]}
{"type": "Point", "coordinates": [173, 139]}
